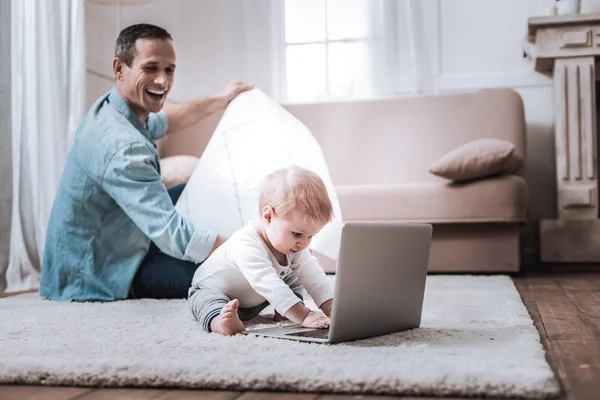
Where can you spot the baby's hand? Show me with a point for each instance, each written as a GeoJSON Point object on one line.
{"type": "Point", "coordinates": [316, 320]}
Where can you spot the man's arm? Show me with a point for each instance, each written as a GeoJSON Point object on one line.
{"type": "Point", "coordinates": [184, 115]}
{"type": "Point", "coordinates": [131, 178]}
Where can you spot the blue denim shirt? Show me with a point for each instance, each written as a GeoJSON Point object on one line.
{"type": "Point", "coordinates": [111, 202]}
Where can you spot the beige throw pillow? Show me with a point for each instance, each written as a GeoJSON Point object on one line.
{"type": "Point", "coordinates": [177, 169]}
{"type": "Point", "coordinates": [478, 159]}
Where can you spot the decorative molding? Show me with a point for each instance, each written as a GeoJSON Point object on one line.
{"type": "Point", "coordinates": [576, 38]}
{"type": "Point", "coordinates": [450, 82]}
{"type": "Point", "coordinates": [100, 75]}
{"type": "Point", "coordinates": [574, 89]}
{"type": "Point", "coordinates": [453, 82]}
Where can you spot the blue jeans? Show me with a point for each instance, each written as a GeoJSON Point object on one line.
{"type": "Point", "coordinates": [161, 276]}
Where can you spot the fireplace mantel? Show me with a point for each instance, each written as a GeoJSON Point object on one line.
{"type": "Point", "coordinates": [549, 38]}
{"type": "Point", "coordinates": [567, 47]}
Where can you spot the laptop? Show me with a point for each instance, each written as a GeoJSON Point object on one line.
{"type": "Point", "coordinates": [379, 285]}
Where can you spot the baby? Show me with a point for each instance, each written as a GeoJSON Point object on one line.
{"type": "Point", "coordinates": [268, 261]}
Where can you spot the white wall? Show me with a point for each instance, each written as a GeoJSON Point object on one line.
{"type": "Point", "coordinates": [470, 45]}
{"type": "Point", "coordinates": [479, 44]}
{"type": "Point", "coordinates": [215, 42]}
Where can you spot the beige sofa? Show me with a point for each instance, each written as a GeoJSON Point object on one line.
{"type": "Point", "coordinates": [379, 153]}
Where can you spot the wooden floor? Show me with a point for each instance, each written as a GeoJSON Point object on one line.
{"type": "Point", "coordinates": [564, 306]}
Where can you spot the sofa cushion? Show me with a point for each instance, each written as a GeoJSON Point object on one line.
{"type": "Point", "coordinates": [477, 159]}
{"type": "Point", "coordinates": [177, 169]}
{"type": "Point", "coordinates": [501, 198]}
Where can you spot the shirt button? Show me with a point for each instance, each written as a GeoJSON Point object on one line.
{"type": "Point", "coordinates": [282, 273]}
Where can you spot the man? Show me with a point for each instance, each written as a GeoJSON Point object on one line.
{"type": "Point", "coordinates": [113, 231]}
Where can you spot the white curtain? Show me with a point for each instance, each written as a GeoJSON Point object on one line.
{"type": "Point", "coordinates": [419, 53]}
{"type": "Point", "coordinates": [399, 36]}
{"type": "Point", "coordinates": [48, 102]}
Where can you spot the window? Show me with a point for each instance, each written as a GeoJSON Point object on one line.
{"type": "Point", "coordinates": [334, 49]}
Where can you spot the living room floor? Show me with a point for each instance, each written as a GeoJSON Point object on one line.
{"type": "Point", "coordinates": [565, 307]}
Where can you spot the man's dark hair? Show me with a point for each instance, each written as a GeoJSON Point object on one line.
{"type": "Point", "coordinates": [125, 47]}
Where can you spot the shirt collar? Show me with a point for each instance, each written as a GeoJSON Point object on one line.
{"type": "Point", "coordinates": [118, 102]}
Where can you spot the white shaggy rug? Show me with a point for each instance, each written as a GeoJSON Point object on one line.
{"type": "Point", "coordinates": [476, 339]}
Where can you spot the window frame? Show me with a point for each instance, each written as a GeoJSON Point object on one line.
{"type": "Point", "coordinates": [387, 36]}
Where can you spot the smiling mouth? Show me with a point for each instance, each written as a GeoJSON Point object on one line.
{"type": "Point", "coordinates": [156, 94]}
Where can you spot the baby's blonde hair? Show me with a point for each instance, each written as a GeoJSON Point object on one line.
{"type": "Point", "coordinates": [296, 189]}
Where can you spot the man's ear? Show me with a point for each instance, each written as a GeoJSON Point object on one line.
{"type": "Point", "coordinates": [118, 66]}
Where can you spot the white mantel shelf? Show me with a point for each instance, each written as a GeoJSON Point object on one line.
{"type": "Point", "coordinates": [549, 38]}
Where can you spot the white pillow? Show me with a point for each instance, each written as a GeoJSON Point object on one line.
{"type": "Point", "coordinates": [177, 169]}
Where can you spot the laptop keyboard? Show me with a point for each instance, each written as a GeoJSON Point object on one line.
{"type": "Point", "coordinates": [318, 334]}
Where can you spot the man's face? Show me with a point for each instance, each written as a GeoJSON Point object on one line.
{"type": "Point", "coordinates": [146, 83]}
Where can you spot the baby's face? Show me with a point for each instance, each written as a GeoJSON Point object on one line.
{"type": "Point", "coordinates": [292, 234]}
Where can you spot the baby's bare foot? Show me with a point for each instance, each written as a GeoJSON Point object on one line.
{"type": "Point", "coordinates": [228, 322]}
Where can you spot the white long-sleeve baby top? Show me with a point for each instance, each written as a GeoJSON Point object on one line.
{"type": "Point", "coordinates": [244, 268]}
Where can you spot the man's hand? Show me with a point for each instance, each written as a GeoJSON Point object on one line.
{"type": "Point", "coordinates": [220, 240]}
{"type": "Point", "coordinates": [184, 115]}
{"type": "Point", "coordinates": [316, 320]}
{"type": "Point", "coordinates": [230, 92]}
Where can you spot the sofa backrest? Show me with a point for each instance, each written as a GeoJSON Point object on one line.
{"type": "Point", "coordinates": [391, 140]}
{"type": "Point", "coordinates": [396, 140]}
